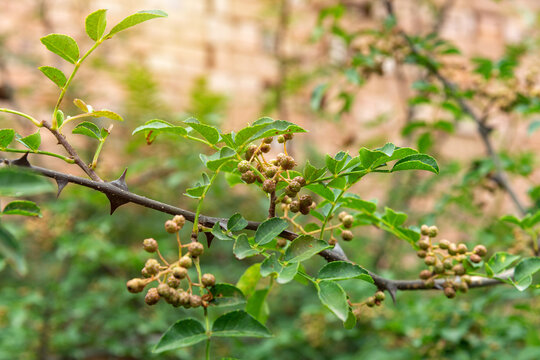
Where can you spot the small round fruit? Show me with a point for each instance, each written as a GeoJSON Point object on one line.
{"type": "Point", "coordinates": [173, 282]}
{"type": "Point", "coordinates": [433, 231]}
{"type": "Point", "coordinates": [271, 171]}
{"type": "Point", "coordinates": [438, 268]}
{"type": "Point", "coordinates": [424, 230]}
{"type": "Point", "coordinates": [379, 295]}
{"type": "Point", "coordinates": [300, 180]}
{"type": "Point", "coordinates": [250, 152]}
{"type": "Point", "coordinates": [480, 250]}
{"type": "Point", "coordinates": [462, 248]}
{"type": "Point", "coordinates": [294, 186]}
{"type": "Point", "coordinates": [342, 215]}
{"type": "Point", "coordinates": [449, 292]}
{"type": "Point", "coordinates": [444, 244]}
{"type": "Point", "coordinates": [425, 274]}
{"type": "Point", "coordinates": [288, 163]}
{"type": "Point", "coordinates": [268, 140]}
{"type": "Point", "coordinates": [164, 290]}
{"type": "Point", "coordinates": [304, 210]}
{"type": "Point", "coordinates": [429, 283]}
{"type": "Point", "coordinates": [281, 242]}
{"type": "Point", "coordinates": [180, 272]}
{"type": "Point", "coordinates": [295, 206]}
{"type": "Point", "coordinates": [475, 258]}
{"type": "Point", "coordinates": [281, 139]}
{"type": "Point", "coordinates": [348, 221]}
{"type": "Point", "coordinates": [423, 244]}
{"type": "Point", "coordinates": [332, 241]}
{"type": "Point", "coordinates": [370, 302]}
{"type": "Point", "coordinates": [208, 280]}
{"type": "Point", "coordinates": [195, 301]}
{"type": "Point", "coordinates": [243, 166]}
{"type": "Point", "coordinates": [288, 136]}
{"type": "Point", "coordinates": [150, 245]}
{"type": "Point", "coordinates": [269, 186]}
{"type": "Point", "coordinates": [430, 260]}
{"type": "Point", "coordinates": [183, 298]}
{"type": "Point", "coordinates": [151, 266]}
{"type": "Point", "coordinates": [459, 269]}
{"type": "Point", "coordinates": [152, 296]}
{"type": "Point", "coordinates": [249, 177]}
{"type": "Point", "coordinates": [347, 235]}
{"type": "Point", "coordinates": [171, 227]}
{"type": "Point", "coordinates": [463, 287]}
{"type": "Point", "coordinates": [135, 285]}
{"type": "Point", "coordinates": [421, 254]}
{"type": "Point", "coordinates": [306, 200]}
{"type": "Point", "coordinates": [452, 249]}
{"type": "Point", "coordinates": [179, 220]}
{"type": "Point", "coordinates": [265, 148]}
{"type": "Point", "coordinates": [185, 262]}
{"type": "Point", "coordinates": [196, 249]}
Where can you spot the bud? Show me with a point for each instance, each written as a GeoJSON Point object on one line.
{"type": "Point", "coordinates": [294, 186]}
{"type": "Point", "coordinates": [452, 249]}
{"type": "Point", "coordinates": [135, 285]}
{"type": "Point", "coordinates": [250, 152]}
{"type": "Point", "coordinates": [179, 220]}
{"type": "Point", "coordinates": [265, 148]}
{"type": "Point", "coordinates": [466, 279]}
{"type": "Point", "coordinates": [281, 139]}
{"type": "Point", "coordinates": [288, 163]}
{"type": "Point", "coordinates": [145, 273]}
{"type": "Point", "coordinates": [171, 227]}
{"type": "Point", "coordinates": [430, 260]}
{"type": "Point", "coordinates": [300, 180]}
{"type": "Point", "coordinates": [480, 250]}
{"type": "Point", "coordinates": [421, 254]}
{"type": "Point", "coordinates": [342, 215]}
{"type": "Point", "coordinates": [305, 201]}
{"type": "Point", "coordinates": [271, 171]}
{"type": "Point", "coordinates": [152, 296]}
{"type": "Point", "coordinates": [332, 241]}
{"type": "Point", "coordinates": [429, 283]}
{"type": "Point", "coordinates": [438, 268]}
{"type": "Point", "coordinates": [288, 136]}
{"type": "Point", "coordinates": [295, 206]}
{"type": "Point", "coordinates": [164, 290]}
{"type": "Point", "coordinates": [208, 280]}
{"type": "Point", "coordinates": [183, 298]}
{"type": "Point", "coordinates": [249, 177]}
{"type": "Point", "coordinates": [150, 245]}
{"type": "Point", "coordinates": [463, 287]}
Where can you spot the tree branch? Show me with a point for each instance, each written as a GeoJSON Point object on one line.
{"type": "Point", "coordinates": [111, 190]}
{"type": "Point", "coordinates": [71, 151]}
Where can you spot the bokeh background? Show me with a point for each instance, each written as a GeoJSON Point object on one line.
{"type": "Point", "coordinates": [229, 62]}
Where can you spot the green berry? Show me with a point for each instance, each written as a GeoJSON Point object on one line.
{"type": "Point", "coordinates": [150, 245]}
{"type": "Point", "coordinates": [379, 295]}
{"type": "Point", "coordinates": [294, 206]}
{"type": "Point", "coordinates": [448, 263]}
{"type": "Point", "coordinates": [480, 250]}
{"type": "Point", "coordinates": [271, 171]}
{"type": "Point", "coordinates": [423, 244]}
{"type": "Point", "coordinates": [171, 227]}
{"type": "Point", "coordinates": [438, 268]}
{"type": "Point", "coordinates": [152, 266]}
{"type": "Point", "coordinates": [281, 139]}
{"type": "Point", "coordinates": [430, 260]}
{"type": "Point", "coordinates": [425, 274]}
{"type": "Point", "coordinates": [444, 244]}
{"type": "Point", "coordinates": [370, 302]}
{"type": "Point", "coordinates": [281, 242]}
{"type": "Point", "coordinates": [185, 262]}
{"type": "Point", "coordinates": [294, 186]}
{"type": "Point", "coordinates": [269, 186]}
{"type": "Point", "coordinates": [249, 177]}
{"type": "Point", "coordinates": [463, 287]}
{"type": "Point", "coordinates": [421, 254]}
{"type": "Point", "coordinates": [459, 269]}
{"type": "Point", "coordinates": [348, 221]}
{"type": "Point", "coordinates": [265, 148]}
{"type": "Point", "coordinates": [342, 215]}
{"type": "Point", "coordinates": [347, 235]}
{"type": "Point", "coordinates": [452, 249]}
{"type": "Point", "coordinates": [462, 248]}
{"type": "Point", "coordinates": [173, 282]}
{"type": "Point", "coordinates": [152, 297]}
{"type": "Point", "coordinates": [180, 272]}
{"type": "Point", "coordinates": [268, 140]}
{"type": "Point", "coordinates": [145, 273]}
{"type": "Point", "coordinates": [429, 283]}
{"type": "Point", "coordinates": [433, 231]}
{"type": "Point", "coordinates": [164, 290]}
{"type": "Point", "coordinates": [243, 166]}
{"type": "Point", "coordinates": [424, 230]}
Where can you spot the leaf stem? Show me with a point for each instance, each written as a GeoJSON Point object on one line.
{"type": "Point", "coordinates": [39, 152]}
{"type": "Point", "coordinates": [96, 155]}
{"type": "Point", "coordinates": [68, 82]}
{"type": "Point", "coordinates": [33, 120]}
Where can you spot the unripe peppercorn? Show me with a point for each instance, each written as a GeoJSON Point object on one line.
{"type": "Point", "coordinates": [304, 210]}
{"type": "Point", "coordinates": [185, 262]}
{"type": "Point", "coordinates": [179, 220]}
{"type": "Point", "coordinates": [425, 274]}
{"type": "Point", "coordinates": [295, 206]}
{"type": "Point", "coordinates": [288, 136]}
{"type": "Point", "coordinates": [183, 298]}
{"type": "Point", "coordinates": [424, 230]}
{"type": "Point", "coordinates": [164, 290]}
{"type": "Point", "coordinates": [280, 158]}
{"type": "Point", "coordinates": [152, 297]}
{"type": "Point", "coordinates": [173, 298]}
{"type": "Point", "coordinates": [444, 244]}
{"type": "Point", "coordinates": [249, 177]}
{"type": "Point", "coordinates": [379, 295]}
{"type": "Point", "coordinates": [135, 285]}
{"type": "Point", "coordinates": [271, 171]}
{"type": "Point", "coordinates": [370, 302]}
{"type": "Point", "coordinates": [421, 254]}
{"type": "Point", "coordinates": [452, 249]}
{"type": "Point", "coordinates": [150, 245]}
{"type": "Point", "coordinates": [281, 242]}
{"type": "Point", "coordinates": [480, 250]}
{"type": "Point", "coordinates": [342, 215]}
{"type": "Point", "coordinates": [449, 292]}
{"type": "Point", "coordinates": [288, 163]}
{"type": "Point", "coordinates": [145, 273]}
{"type": "Point", "coordinates": [462, 248]}
{"type": "Point", "coordinates": [250, 152]}
{"type": "Point", "coordinates": [268, 140]}
{"type": "Point", "coordinates": [294, 186]}
{"type": "Point", "coordinates": [180, 272]}
{"type": "Point", "coordinates": [347, 235]}
{"type": "Point", "coordinates": [306, 200]}
{"type": "Point", "coordinates": [448, 263]}
{"type": "Point", "coordinates": [423, 244]}
{"type": "Point", "coordinates": [265, 148]}
{"type": "Point", "coordinates": [475, 258]}
{"type": "Point", "coordinates": [171, 227]}
{"type": "Point", "coordinates": [433, 231]}
{"type": "Point", "coordinates": [430, 260]}
{"type": "Point", "coordinates": [243, 166]}
{"type": "Point", "coordinates": [429, 283]}
{"type": "Point", "coordinates": [286, 200]}
{"type": "Point", "coordinates": [269, 186]}
{"type": "Point", "coordinates": [208, 280]}
{"type": "Point", "coordinates": [195, 301]}
{"type": "Point", "coordinates": [152, 266]}
{"type": "Point", "coordinates": [463, 287]}
{"type": "Point", "coordinates": [281, 139]}
{"type": "Point", "coordinates": [438, 268]}
{"type": "Point", "coordinates": [300, 180]}
{"type": "Point", "coordinates": [332, 241]}
{"type": "Point", "coordinates": [348, 221]}
{"type": "Point", "coordinates": [467, 279]}
{"type": "Point", "coordinates": [459, 269]}
{"type": "Point", "coordinates": [196, 249]}
{"type": "Point", "coordinates": [173, 282]}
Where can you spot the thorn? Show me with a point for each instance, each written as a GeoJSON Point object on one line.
{"type": "Point", "coordinates": [209, 238]}
{"type": "Point", "coordinates": [61, 185]}
{"type": "Point", "coordinates": [120, 183]}
{"type": "Point", "coordinates": [392, 291]}
{"type": "Point", "coordinates": [22, 161]}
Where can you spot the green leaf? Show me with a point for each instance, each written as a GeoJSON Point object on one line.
{"type": "Point", "coordinates": [11, 250]}
{"type": "Point", "coordinates": [512, 220]}
{"type": "Point", "coordinates": [236, 223]}
{"type": "Point", "coordinates": [62, 45]}
{"type": "Point", "coordinates": [266, 127]}
{"type": "Point", "coordinates": [342, 270]}
{"type": "Point", "coordinates": [137, 18]}
{"type": "Point", "coordinates": [533, 126]}
{"type": "Point", "coordinates": [287, 273]}
{"type": "Point", "coordinates": [219, 234]}
{"type": "Point", "coordinates": [239, 324]}
{"type": "Point", "coordinates": [31, 141]}
{"type": "Point", "coordinates": [106, 114]}
{"type": "Point", "coordinates": [249, 279]}
{"type": "Point", "coordinates": [242, 248]}
{"type": "Point", "coordinates": [334, 298]}
{"type": "Point", "coordinates": [359, 204]}
{"type": "Point", "coordinates": [6, 137]}
{"type": "Point", "coordinates": [321, 190]}
{"type": "Point", "coordinates": [317, 96]}
{"type": "Point", "coordinates": [256, 305]}
{"type": "Point", "coordinates": [59, 117]}
{"type": "Point", "coordinates": [269, 230]}
{"type": "Point", "coordinates": [81, 105]}
{"type": "Point", "coordinates": [499, 262]}
{"type": "Point", "coordinates": [217, 159]}
{"type": "Point", "coordinates": [22, 207]}
{"type": "Point", "coordinates": [417, 162]}
{"type": "Point", "coordinates": [311, 173]}
{"type": "Point", "coordinates": [88, 129]}
{"type": "Point", "coordinates": [54, 74]}
{"type": "Point", "coordinates": [304, 247]}
{"type": "Point", "coordinates": [95, 24]}
{"type": "Point", "coordinates": [350, 322]}
{"type": "Point", "coordinates": [270, 265]}
{"type": "Point", "coordinates": [182, 333]}
{"type": "Point", "coordinates": [525, 269]}
{"type": "Point", "coordinates": [156, 126]}
{"type": "Point", "coordinates": [22, 182]}
{"type": "Point", "coordinates": [393, 217]}
{"type": "Point", "coordinates": [210, 133]}
{"type": "Point", "coordinates": [226, 295]}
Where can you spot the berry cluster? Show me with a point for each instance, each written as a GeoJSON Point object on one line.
{"type": "Point", "coordinates": [446, 261]}
{"type": "Point", "coordinates": [169, 276]}
{"type": "Point", "coordinates": [375, 300]}
{"type": "Point", "coordinates": [255, 168]}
